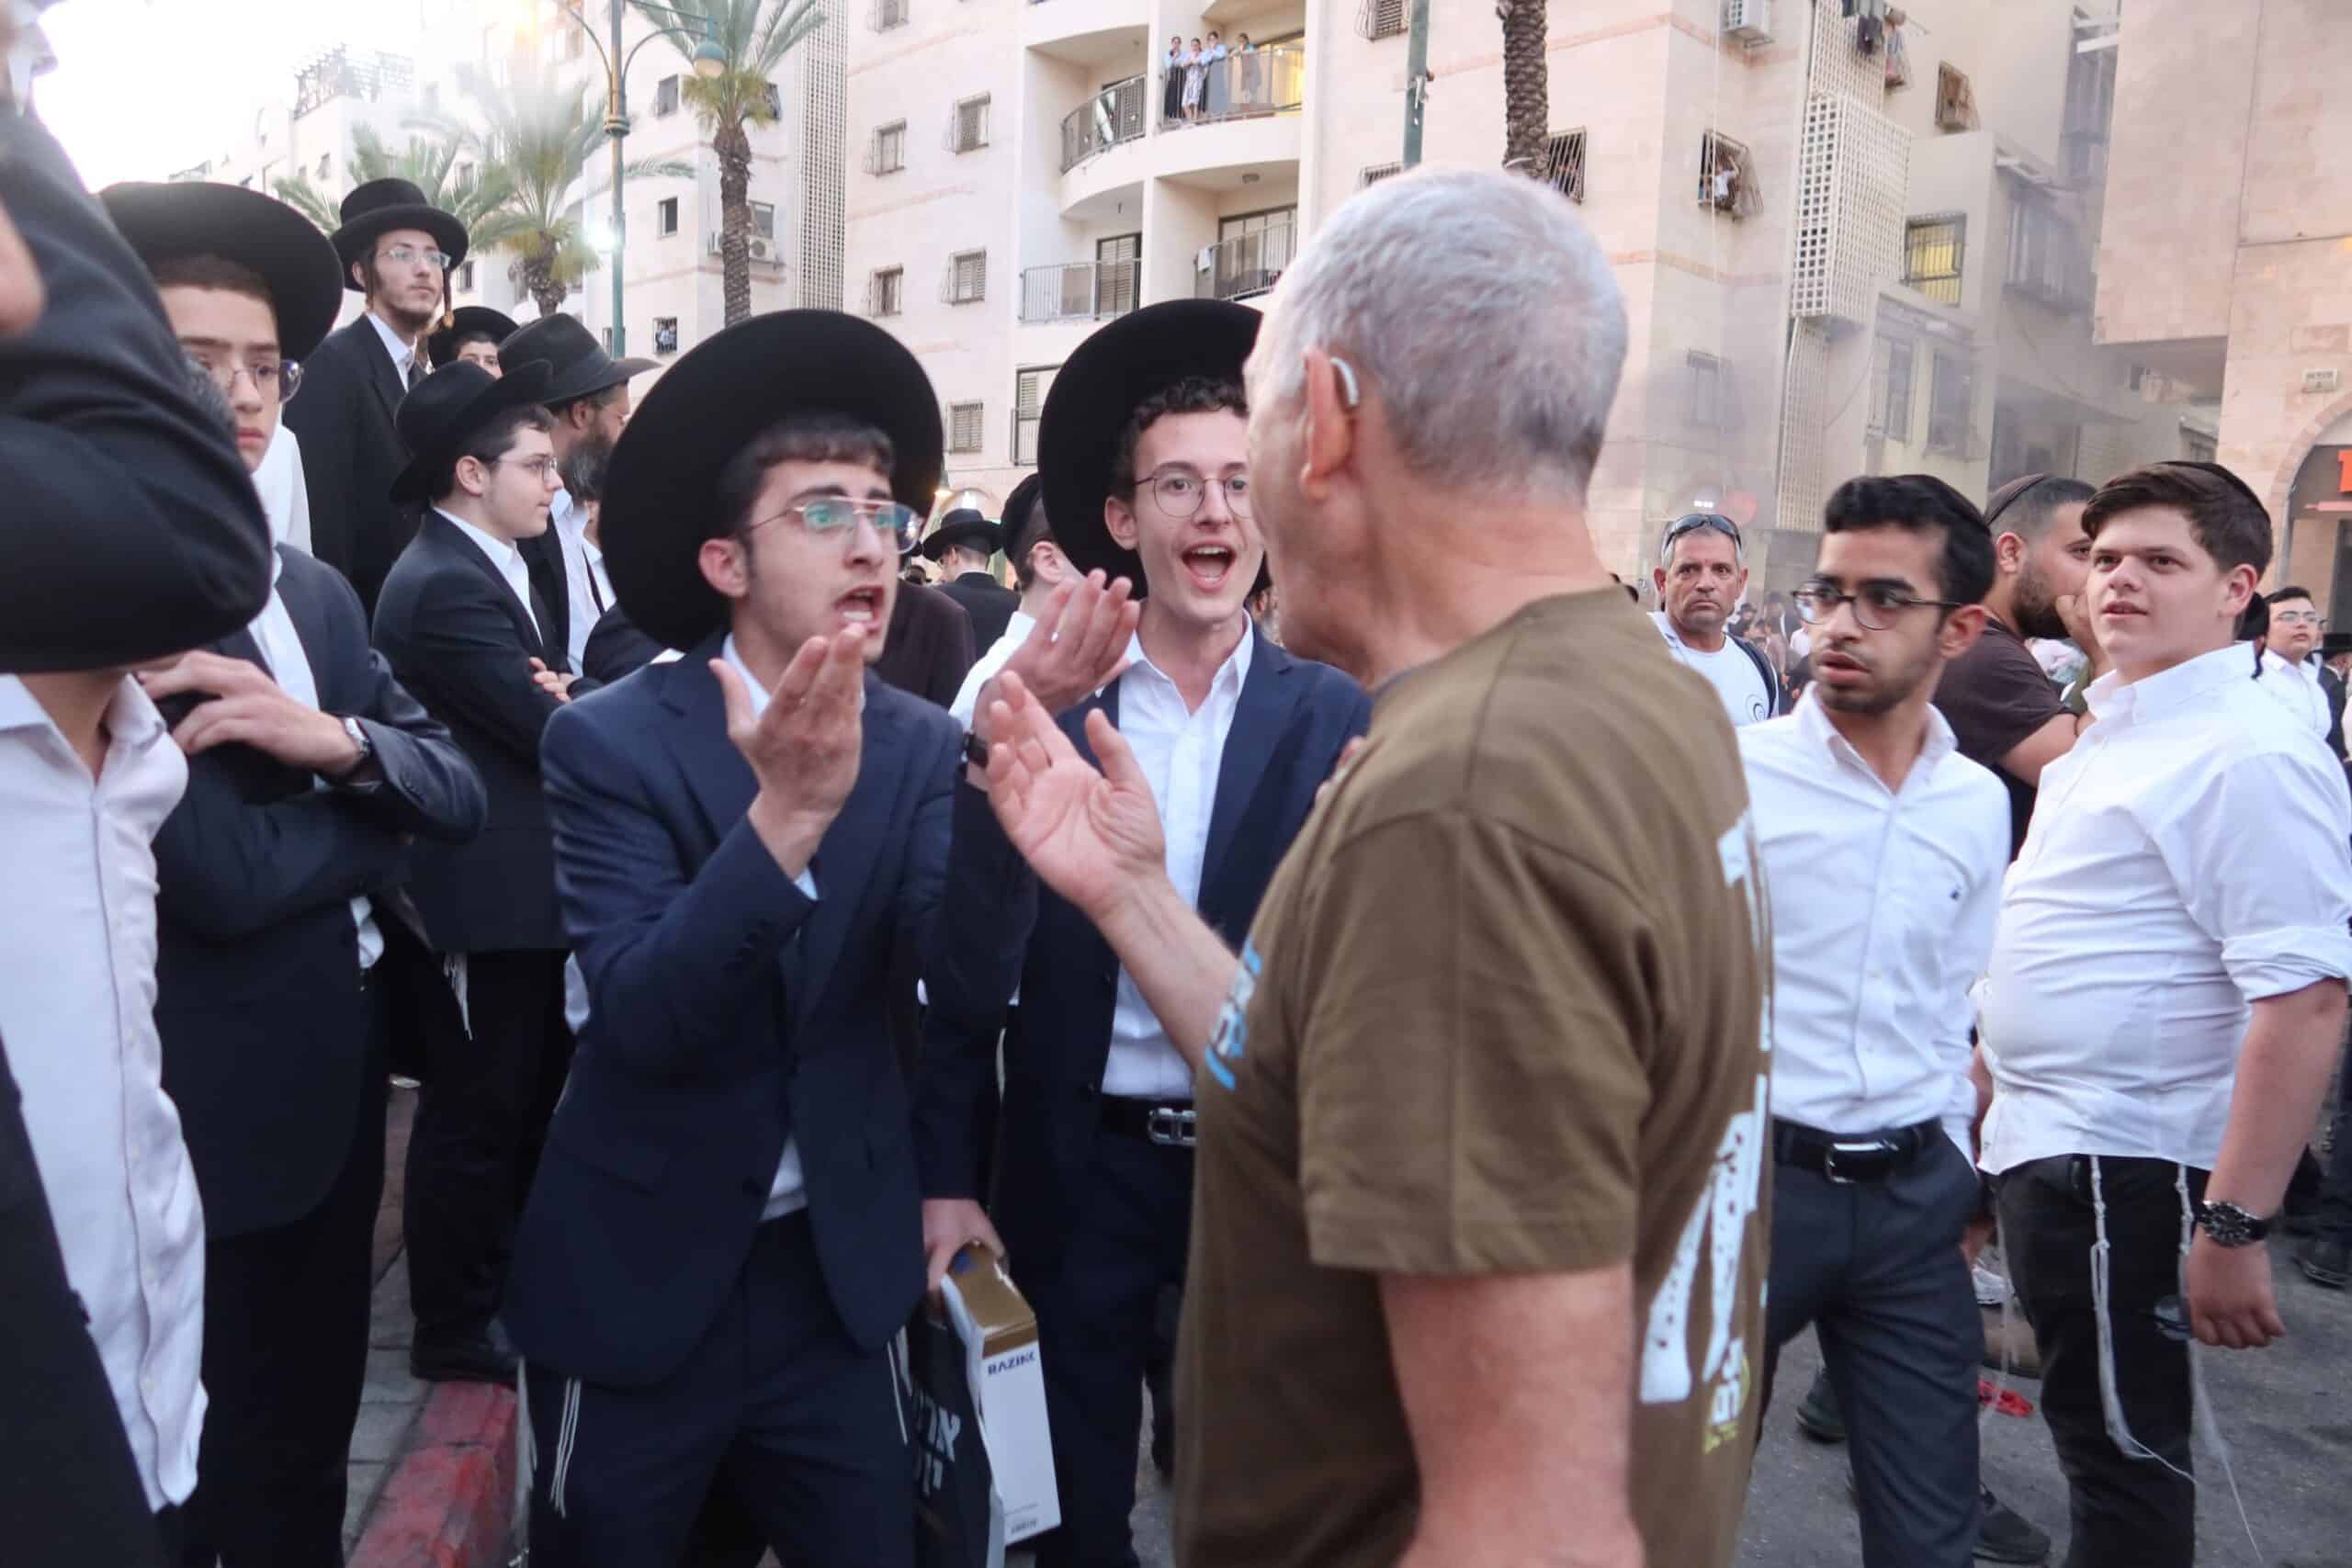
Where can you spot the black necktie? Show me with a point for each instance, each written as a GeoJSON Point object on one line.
{"type": "Point", "coordinates": [416, 372]}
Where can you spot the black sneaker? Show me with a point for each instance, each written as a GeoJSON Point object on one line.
{"type": "Point", "coordinates": [2003, 1535]}
{"type": "Point", "coordinates": [2325, 1262]}
{"type": "Point", "coordinates": [1817, 1413]}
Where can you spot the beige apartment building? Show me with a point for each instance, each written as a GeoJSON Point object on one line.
{"type": "Point", "coordinates": [1846, 245]}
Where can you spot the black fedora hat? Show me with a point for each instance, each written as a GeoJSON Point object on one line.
{"type": "Point", "coordinates": [1097, 390]}
{"type": "Point", "coordinates": [965, 525]}
{"type": "Point", "coordinates": [187, 218]}
{"type": "Point", "coordinates": [2333, 643]}
{"type": "Point", "coordinates": [468, 321]}
{"type": "Point", "coordinates": [661, 489]}
{"type": "Point", "coordinates": [577, 365]}
{"type": "Point", "coordinates": [446, 407]}
{"type": "Point", "coordinates": [379, 206]}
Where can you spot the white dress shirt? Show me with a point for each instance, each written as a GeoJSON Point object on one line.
{"type": "Point", "coordinates": [509, 561]}
{"type": "Point", "coordinates": [584, 578]}
{"type": "Point", "coordinates": [77, 1009]}
{"type": "Point", "coordinates": [289, 666]}
{"type": "Point", "coordinates": [2296, 688]}
{"type": "Point", "coordinates": [1180, 751]}
{"type": "Point", "coordinates": [2191, 854]}
{"type": "Point", "coordinates": [403, 353]}
{"type": "Point", "coordinates": [285, 494]}
{"type": "Point", "coordinates": [1883, 903]}
{"type": "Point", "coordinates": [788, 1191]}
{"type": "Point", "coordinates": [1000, 654]}
{"type": "Point", "coordinates": [1737, 682]}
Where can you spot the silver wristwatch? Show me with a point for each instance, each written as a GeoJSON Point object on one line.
{"type": "Point", "coordinates": [359, 733]}
{"type": "Point", "coordinates": [2229, 1226]}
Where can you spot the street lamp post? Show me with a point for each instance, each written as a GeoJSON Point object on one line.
{"type": "Point", "coordinates": [710, 61]}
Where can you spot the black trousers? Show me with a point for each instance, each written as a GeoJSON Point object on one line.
{"type": "Point", "coordinates": [481, 1119]}
{"type": "Point", "coordinates": [2125, 1512]}
{"type": "Point", "coordinates": [1096, 1311]}
{"type": "Point", "coordinates": [806, 1430]}
{"type": "Point", "coordinates": [286, 1361]}
{"type": "Point", "coordinates": [1875, 1267]}
{"type": "Point", "coordinates": [2333, 1217]}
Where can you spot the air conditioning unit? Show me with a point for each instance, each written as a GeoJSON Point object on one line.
{"type": "Point", "coordinates": [761, 250]}
{"type": "Point", "coordinates": [1748, 19]}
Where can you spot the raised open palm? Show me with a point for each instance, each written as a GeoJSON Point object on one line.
{"type": "Point", "coordinates": [1092, 837]}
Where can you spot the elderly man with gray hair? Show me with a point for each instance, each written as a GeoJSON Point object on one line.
{"type": "Point", "coordinates": [1477, 1253]}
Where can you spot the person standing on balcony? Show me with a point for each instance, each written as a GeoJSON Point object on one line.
{"type": "Point", "coordinates": [1192, 67]}
{"type": "Point", "coordinates": [1171, 92]}
{"type": "Point", "coordinates": [1249, 53]}
{"type": "Point", "coordinates": [1214, 90]}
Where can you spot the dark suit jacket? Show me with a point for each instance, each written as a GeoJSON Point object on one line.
{"type": "Point", "coordinates": [727, 1009]}
{"type": "Point", "coordinates": [351, 453]}
{"type": "Point", "coordinates": [543, 555]}
{"type": "Point", "coordinates": [989, 602]}
{"type": "Point", "coordinates": [929, 649]}
{"type": "Point", "coordinates": [68, 1488]}
{"type": "Point", "coordinates": [1294, 719]}
{"type": "Point", "coordinates": [2333, 684]}
{"type": "Point", "coordinates": [132, 530]}
{"type": "Point", "coordinates": [258, 1000]}
{"type": "Point", "coordinates": [460, 641]}
{"type": "Point", "coordinates": [616, 648]}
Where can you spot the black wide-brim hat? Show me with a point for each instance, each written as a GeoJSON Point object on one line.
{"type": "Point", "coordinates": [577, 365]}
{"type": "Point", "coordinates": [963, 526]}
{"type": "Point", "coordinates": [166, 221]}
{"type": "Point", "coordinates": [2333, 643]}
{"type": "Point", "coordinates": [465, 322]}
{"type": "Point", "coordinates": [382, 206]}
{"type": "Point", "coordinates": [1096, 391]}
{"type": "Point", "coordinates": [446, 408]}
{"type": "Point", "coordinates": [662, 488]}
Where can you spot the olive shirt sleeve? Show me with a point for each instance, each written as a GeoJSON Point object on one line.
{"type": "Point", "coordinates": [1470, 1082]}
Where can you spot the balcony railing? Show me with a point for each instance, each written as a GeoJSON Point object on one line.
{"type": "Point", "coordinates": [1111, 116]}
{"type": "Point", "coordinates": [1262, 81]}
{"type": "Point", "coordinates": [1077, 291]}
{"type": "Point", "coordinates": [1246, 263]}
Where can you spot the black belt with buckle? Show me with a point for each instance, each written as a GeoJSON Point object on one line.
{"type": "Point", "coordinates": [1149, 1122]}
{"type": "Point", "coordinates": [1846, 1158]}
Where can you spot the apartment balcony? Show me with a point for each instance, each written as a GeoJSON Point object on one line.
{"type": "Point", "coordinates": [1059, 26]}
{"type": "Point", "coordinates": [1241, 86]}
{"type": "Point", "coordinates": [1114, 115]}
{"type": "Point", "coordinates": [1080, 291]}
{"type": "Point", "coordinates": [1245, 266]}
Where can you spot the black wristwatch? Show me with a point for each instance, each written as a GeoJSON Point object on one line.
{"type": "Point", "coordinates": [2229, 1226]}
{"type": "Point", "coordinates": [976, 750]}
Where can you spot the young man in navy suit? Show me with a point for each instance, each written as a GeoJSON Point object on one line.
{"type": "Point", "coordinates": [1145, 461]}
{"type": "Point", "coordinates": [465, 631]}
{"type": "Point", "coordinates": [309, 768]}
{"type": "Point", "coordinates": [731, 1222]}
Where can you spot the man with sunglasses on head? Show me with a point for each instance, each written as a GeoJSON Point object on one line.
{"type": "Point", "coordinates": [396, 250]}
{"type": "Point", "coordinates": [1700, 575]}
{"type": "Point", "coordinates": [1873, 1111]}
{"type": "Point", "coordinates": [728, 1226]}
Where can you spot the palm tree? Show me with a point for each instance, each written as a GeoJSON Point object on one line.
{"type": "Point", "coordinates": [536, 141]}
{"type": "Point", "coordinates": [755, 36]}
{"type": "Point", "coordinates": [1527, 110]}
{"type": "Point", "coordinates": [477, 196]}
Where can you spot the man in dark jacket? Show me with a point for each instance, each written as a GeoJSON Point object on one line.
{"type": "Point", "coordinates": [962, 544]}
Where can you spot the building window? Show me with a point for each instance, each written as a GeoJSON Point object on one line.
{"type": "Point", "coordinates": [964, 427]}
{"type": "Point", "coordinates": [1897, 367]}
{"type": "Point", "coordinates": [665, 96]}
{"type": "Point", "coordinates": [763, 220]}
{"type": "Point", "coordinates": [888, 14]}
{"type": "Point", "coordinates": [665, 334]}
{"type": "Point", "coordinates": [774, 96]}
{"type": "Point", "coordinates": [1955, 99]}
{"type": "Point", "coordinates": [2195, 446]}
{"type": "Point", "coordinates": [890, 151]}
{"type": "Point", "coordinates": [666, 220]}
{"type": "Point", "coordinates": [2048, 259]}
{"type": "Point", "coordinates": [1931, 255]}
{"type": "Point", "coordinates": [326, 165]}
{"type": "Point", "coordinates": [1951, 394]}
{"type": "Point", "coordinates": [1563, 167]}
{"type": "Point", "coordinates": [971, 131]}
{"type": "Point", "coordinates": [1703, 407]}
{"type": "Point", "coordinates": [1029, 388]}
{"type": "Point", "coordinates": [967, 277]}
{"type": "Point", "coordinates": [885, 291]}
{"type": "Point", "coordinates": [465, 174]}
{"type": "Point", "coordinates": [1373, 173]}
{"type": "Point", "coordinates": [606, 334]}
{"type": "Point", "coordinates": [1726, 180]}
{"type": "Point", "coordinates": [466, 278]}
{"type": "Point", "coordinates": [1381, 19]}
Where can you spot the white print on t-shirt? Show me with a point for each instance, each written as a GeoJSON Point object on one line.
{"type": "Point", "coordinates": [1230, 1039]}
{"type": "Point", "coordinates": [1720, 1214]}
{"type": "Point", "coordinates": [1737, 682]}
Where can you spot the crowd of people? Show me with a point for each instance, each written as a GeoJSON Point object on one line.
{"type": "Point", "coordinates": [1478, 1042]}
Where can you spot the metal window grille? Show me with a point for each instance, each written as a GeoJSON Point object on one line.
{"type": "Point", "coordinates": [1951, 396]}
{"type": "Point", "coordinates": [2048, 259]}
{"type": "Point", "coordinates": [1373, 173]}
{"type": "Point", "coordinates": [466, 278]}
{"type": "Point", "coordinates": [885, 291]}
{"type": "Point", "coordinates": [665, 334]}
{"type": "Point", "coordinates": [1563, 166]}
{"type": "Point", "coordinates": [1726, 180]}
{"type": "Point", "coordinates": [1029, 388]}
{"type": "Point", "coordinates": [967, 277]}
{"type": "Point", "coordinates": [964, 421]}
{"type": "Point", "coordinates": [888, 14]}
{"type": "Point", "coordinates": [969, 129]}
{"type": "Point", "coordinates": [1955, 99]}
{"type": "Point", "coordinates": [1380, 18]}
{"type": "Point", "coordinates": [1852, 174]}
{"type": "Point", "coordinates": [818, 136]}
{"type": "Point", "coordinates": [665, 96]}
{"type": "Point", "coordinates": [1902, 370]}
{"type": "Point", "coordinates": [763, 220]}
{"type": "Point", "coordinates": [1932, 252]}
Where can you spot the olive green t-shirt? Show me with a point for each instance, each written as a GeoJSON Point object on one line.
{"type": "Point", "coordinates": [1503, 1011]}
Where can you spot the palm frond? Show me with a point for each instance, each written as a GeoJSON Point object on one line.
{"type": "Point", "coordinates": [297, 192]}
